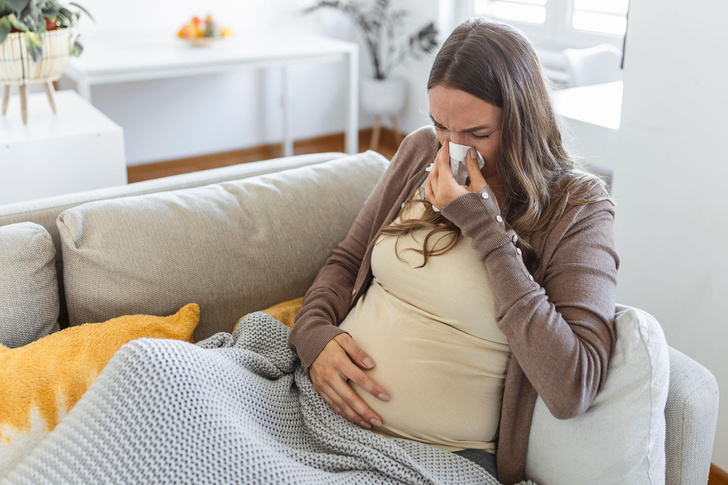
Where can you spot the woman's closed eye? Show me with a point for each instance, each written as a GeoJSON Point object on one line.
{"type": "Point", "coordinates": [477, 137]}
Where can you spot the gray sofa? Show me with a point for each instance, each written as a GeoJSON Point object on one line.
{"type": "Point", "coordinates": [151, 247]}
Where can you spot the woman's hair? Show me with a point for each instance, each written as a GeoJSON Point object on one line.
{"type": "Point", "coordinates": [497, 64]}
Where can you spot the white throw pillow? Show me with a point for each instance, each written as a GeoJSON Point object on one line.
{"type": "Point", "coordinates": [621, 438]}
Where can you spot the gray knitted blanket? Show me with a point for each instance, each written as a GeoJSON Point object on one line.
{"type": "Point", "coordinates": [232, 409]}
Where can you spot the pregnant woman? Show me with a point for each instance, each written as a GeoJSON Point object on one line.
{"type": "Point", "coordinates": [452, 304]}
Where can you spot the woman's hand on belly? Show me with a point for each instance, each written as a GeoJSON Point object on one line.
{"type": "Point", "coordinates": [340, 361]}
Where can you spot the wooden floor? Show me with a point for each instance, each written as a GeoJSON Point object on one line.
{"type": "Point", "coordinates": [331, 143]}
{"type": "Point", "coordinates": [718, 476]}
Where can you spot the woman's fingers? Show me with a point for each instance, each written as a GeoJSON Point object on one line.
{"type": "Point", "coordinates": [330, 373]}
{"type": "Point", "coordinates": [334, 388]}
{"type": "Point", "coordinates": [443, 159]}
{"type": "Point", "coordinates": [352, 404]}
{"type": "Point", "coordinates": [429, 193]}
{"type": "Point", "coordinates": [477, 181]}
{"type": "Point", "coordinates": [362, 359]}
{"type": "Point", "coordinates": [341, 409]}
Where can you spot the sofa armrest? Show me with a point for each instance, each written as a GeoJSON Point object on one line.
{"type": "Point", "coordinates": [691, 416]}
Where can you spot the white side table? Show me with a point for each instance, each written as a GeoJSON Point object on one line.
{"type": "Point", "coordinates": [592, 115]}
{"type": "Point", "coordinates": [77, 149]}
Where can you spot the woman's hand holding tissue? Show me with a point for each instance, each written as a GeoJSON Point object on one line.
{"type": "Point", "coordinates": [441, 188]}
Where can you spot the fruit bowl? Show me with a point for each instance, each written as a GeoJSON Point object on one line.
{"type": "Point", "coordinates": [203, 33]}
{"type": "Point", "coordinates": [203, 41]}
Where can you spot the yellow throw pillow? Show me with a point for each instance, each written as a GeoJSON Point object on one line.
{"type": "Point", "coordinates": [283, 312]}
{"type": "Point", "coordinates": [41, 382]}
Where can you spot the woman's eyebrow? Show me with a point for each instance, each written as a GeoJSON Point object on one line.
{"type": "Point", "coordinates": [469, 130]}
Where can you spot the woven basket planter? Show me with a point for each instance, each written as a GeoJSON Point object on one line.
{"type": "Point", "coordinates": [16, 66]}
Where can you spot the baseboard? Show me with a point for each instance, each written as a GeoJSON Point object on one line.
{"type": "Point", "coordinates": [718, 476]}
{"type": "Point", "coordinates": [328, 143]}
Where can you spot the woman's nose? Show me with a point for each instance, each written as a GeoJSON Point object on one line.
{"type": "Point", "coordinates": [457, 138]}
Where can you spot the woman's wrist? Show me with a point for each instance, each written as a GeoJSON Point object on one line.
{"type": "Point", "coordinates": [478, 216]}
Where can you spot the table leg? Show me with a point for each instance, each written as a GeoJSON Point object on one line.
{"type": "Point", "coordinates": [286, 105]}
{"type": "Point", "coordinates": [395, 129]}
{"type": "Point", "coordinates": [352, 124]}
{"type": "Point", "coordinates": [23, 103]}
{"type": "Point", "coordinates": [376, 131]}
{"type": "Point", "coordinates": [6, 98]}
{"type": "Point", "coordinates": [49, 92]}
{"type": "Point", "coordinates": [84, 89]}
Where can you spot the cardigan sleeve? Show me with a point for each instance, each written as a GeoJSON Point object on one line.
{"type": "Point", "coordinates": [561, 331]}
{"type": "Point", "coordinates": [327, 302]}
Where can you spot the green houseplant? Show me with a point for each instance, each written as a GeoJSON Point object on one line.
{"type": "Point", "coordinates": [37, 39]}
{"type": "Point", "coordinates": [380, 27]}
{"type": "Point", "coordinates": [33, 18]}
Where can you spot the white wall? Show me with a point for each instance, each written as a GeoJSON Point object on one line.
{"type": "Point", "coordinates": [185, 117]}
{"type": "Point", "coordinates": [671, 177]}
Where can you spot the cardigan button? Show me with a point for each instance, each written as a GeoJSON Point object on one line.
{"type": "Point", "coordinates": [353, 292]}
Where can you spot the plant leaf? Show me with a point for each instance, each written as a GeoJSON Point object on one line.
{"type": "Point", "coordinates": [5, 28]}
{"type": "Point", "coordinates": [84, 11]}
{"type": "Point", "coordinates": [65, 17]}
{"type": "Point", "coordinates": [17, 23]}
{"type": "Point", "coordinates": [77, 49]}
{"type": "Point", "coordinates": [34, 44]}
{"type": "Point", "coordinates": [51, 11]}
{"type": "Point", "coordinates": [16, 6]}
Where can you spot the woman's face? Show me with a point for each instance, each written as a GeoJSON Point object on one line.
{"type": "Point", "coordinates": [465, 119]}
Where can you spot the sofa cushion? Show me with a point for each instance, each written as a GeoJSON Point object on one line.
{"type": "Point", "coordinates": [285, 312]}
{"type": "Point", "coordinates": [233, 247]}
{"type": "Point", "coordinates": [28, 285]}
{"type": "Point", "coordinates": [621, 438]}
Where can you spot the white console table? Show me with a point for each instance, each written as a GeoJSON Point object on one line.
{"type": "Point", "coordinates": [592, 115]}
{"type": "Point", "coordinates": [77, 149]}
{"type": "Point", "coordinates": [120, 60]}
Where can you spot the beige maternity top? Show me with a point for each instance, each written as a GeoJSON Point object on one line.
{"type": "Point", "coordinates": [432, 333]}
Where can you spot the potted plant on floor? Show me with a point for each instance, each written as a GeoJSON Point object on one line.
{"type": "Point", "coordinates": [37, 39]}
{"type": "Point", "coordinates": [380, 28]}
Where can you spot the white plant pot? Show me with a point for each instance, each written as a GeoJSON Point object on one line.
{"type": "Point", "coordinates": [16, 66]}
{"type": "Point", "coordinates": [383, 97]}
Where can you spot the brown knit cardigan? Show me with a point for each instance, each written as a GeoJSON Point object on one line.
{"type": "Point", "coordinates": [560, 328]}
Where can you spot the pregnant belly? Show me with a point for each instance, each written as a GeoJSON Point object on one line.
{"type": "Point", "coordinates": [445, 385]}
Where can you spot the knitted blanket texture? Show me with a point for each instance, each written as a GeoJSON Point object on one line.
{"type": "Point", "coordinates": [235, 408]}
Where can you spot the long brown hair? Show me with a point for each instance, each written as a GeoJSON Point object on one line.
{"type": "Point", "coordinates": [497, 64]}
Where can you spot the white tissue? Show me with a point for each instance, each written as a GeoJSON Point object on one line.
{"type": "Point", "coordinates": [457, 165]}
{"type": "Point", "coordinates": [457, 162]}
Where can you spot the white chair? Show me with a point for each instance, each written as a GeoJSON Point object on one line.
{"type": "Point", "coordinates": [594, 65]}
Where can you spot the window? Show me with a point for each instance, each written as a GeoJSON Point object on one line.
{"type": "Point", "coordinates": [530, 11]}
{"type": "Point", "coordinates": [603, 16]}
{"type": "Point", "coordinates": [558, 24]}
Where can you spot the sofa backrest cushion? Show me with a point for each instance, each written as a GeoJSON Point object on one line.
{"type": "Point", "coordinates": [232, 247]}
{"type": "Point", "coordinates": [46, 211]}
{"type": "Point", "coordinates": [28, 284]}
{"type": "Point", "coordinates": [621, 437]}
